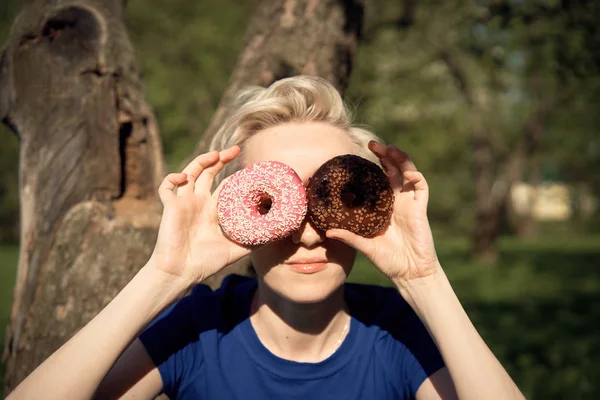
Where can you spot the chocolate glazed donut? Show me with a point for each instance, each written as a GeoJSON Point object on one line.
{"type": "Point", "coordinates": [350, 192]}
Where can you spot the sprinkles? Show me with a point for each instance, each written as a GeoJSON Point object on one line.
{"type": "Point", "coordinates": [350, 192]}
{"type": "Point", "coordinates": [262, 203]}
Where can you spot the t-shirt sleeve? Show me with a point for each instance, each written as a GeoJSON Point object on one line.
{"type": "Point", "coordinates": [416, 356]}
{"type": "Point", "coordinates": [424, 358]}
{"type": "Point", "coordinates": [172, 343]}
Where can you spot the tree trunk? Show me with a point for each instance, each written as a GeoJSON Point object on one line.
{"type": "Point", "coordinates": [488, 202]}
{"type": "Point", "coordinates": [292, 37]}
{"type": "Point", "coordinates": [489, 192]}
{"type": "Point", "coordinates": [493, 190]}
{"type": "Point", "coordinates": [287, 38]}
{"type": "Point", "coordinates": [91, 159]}
{"type": "Point", "coordinates": [524, 166]}
{"type": "Point", "coordinates": [90, 163]}
{"type": "Point", "coordinates": [493, 178]}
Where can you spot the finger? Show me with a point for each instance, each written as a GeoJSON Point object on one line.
{"type": "Point", "coordinates": [401, 159]}
{"type": "Point", "coordinates": [417, 180]}
{"type": "Point", "coordinates": [393, 173]}
{"type": "Point", "coordinates": [358, 242]}
{"type": "Point", "coordinates": [205, 180]}
{"type": "Point", "coordinates": [391, 170]}
{"type": "Point", "coordinates": [168, 185]}
{"type": "Point", "coordinates": [377, 148]}
{"type": "Point", "coordinates": [194, 169]}
{"type": "Point", "coordinates": [229, 153]}
{"type": "Point", "coordinates": [218, 189]}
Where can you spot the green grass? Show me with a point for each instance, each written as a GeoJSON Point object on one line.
{"type": "Point", "coordinates": [538, 308]}
{"type": "Point", "coordinates": [8, 267]}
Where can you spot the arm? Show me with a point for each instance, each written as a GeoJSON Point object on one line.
{"type": "Point", "coordinates": [134, 376]}
{"type": "Point", "coordinates": [76, 369]}
{"type": "Point", "coordinates": [439, 386]}
{"type": "Point", "coordinates": [475, 371]}
{"type": "Point", "coordinates": [405, 253]}
{"type": "Point", "coordinates": [190, 248]}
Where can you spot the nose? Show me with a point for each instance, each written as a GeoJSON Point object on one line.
{"type": "Point", "coordinates": [308, 235]}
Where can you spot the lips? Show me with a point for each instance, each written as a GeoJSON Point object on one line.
{"type": "Point", "coordinates": [314, 260]}
{"type": "Point", "coordinates": [307, 265]}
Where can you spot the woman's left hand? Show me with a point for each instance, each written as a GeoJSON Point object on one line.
{"type": "Point", "coordinates": [404, 250]}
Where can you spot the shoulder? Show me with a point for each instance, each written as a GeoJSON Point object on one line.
{"type": "Point", "coordinates": [384, 308]}
{"type": "Point", "coordinates": [224, 307]}
{"type": "Point", "coordinates": [174, 340]}
{"type": "Point", "coordinates": [200, 312]}
{"type": "Point", "coordinates": [402, 344]}
{"type": "Point", "coordinates": [378, 305]}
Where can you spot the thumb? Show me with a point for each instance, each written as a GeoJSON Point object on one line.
{"type": "Point", "coordinates": [351, 239]}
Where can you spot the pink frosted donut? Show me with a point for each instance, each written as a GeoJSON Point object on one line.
{"type": "Point", "coordinates": [261, 203]}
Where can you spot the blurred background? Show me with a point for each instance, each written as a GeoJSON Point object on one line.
{"type": "Point", "coordinates": [498, 104]}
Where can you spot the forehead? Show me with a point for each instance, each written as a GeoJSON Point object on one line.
{"type": "Point", "coordinates": [302, 146]}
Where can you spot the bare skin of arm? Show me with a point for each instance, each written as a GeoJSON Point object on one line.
{"type": "Point", "coordinates": [77, 368]}
{"type": "Point", "coordinates": [190, 248]}
{"type": "Point", "coordinates": [134, 376]}
{"type": "Point", "coordinates": [474, 369]}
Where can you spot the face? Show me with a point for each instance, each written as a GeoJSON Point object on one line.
{"type": "Point", "coordinates": [282, 265]}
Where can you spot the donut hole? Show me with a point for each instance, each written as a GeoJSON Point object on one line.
{"type": "Point", "coordinates": [352, 194]}
{"type": "Point", "coordinates": [347, 197]}
{"type": "Point", "coordinates": [264, 205]}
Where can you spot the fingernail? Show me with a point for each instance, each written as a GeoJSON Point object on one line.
{"type": "Point", "coordinates": [373, 145]}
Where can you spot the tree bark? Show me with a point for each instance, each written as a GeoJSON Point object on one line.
{"type": "Point", "coordinates": [91, 158]}
{"type": "Point", "coordinates": [90, 163]}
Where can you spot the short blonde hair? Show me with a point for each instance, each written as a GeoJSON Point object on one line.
{"type": "Point", "coordinates": [296, 99]}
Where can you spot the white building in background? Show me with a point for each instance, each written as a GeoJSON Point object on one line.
{"type": "Point", "coordinates": [550, 201]}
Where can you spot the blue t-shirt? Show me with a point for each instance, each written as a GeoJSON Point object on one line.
{"type": "Point", "coordinates": [206, 348]}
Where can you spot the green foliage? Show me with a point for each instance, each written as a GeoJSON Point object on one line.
{"type": "Point", "coordinates": [513, 59]}
{"type": "Point", "coordinates": [186, 51]}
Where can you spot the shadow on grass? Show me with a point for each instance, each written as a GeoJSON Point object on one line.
{"type": "Point", "coordinates": [539, 313]}
{"type": "Point", "coordinates": [550, 347]}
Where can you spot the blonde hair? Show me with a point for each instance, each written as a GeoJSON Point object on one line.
{"type": "Point", "coordinates": [296, 99]}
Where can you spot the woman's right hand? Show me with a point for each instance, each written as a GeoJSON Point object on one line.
{"type": "Point", "coordinates": [191, 246]}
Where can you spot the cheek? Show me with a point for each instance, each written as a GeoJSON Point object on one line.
{"type": "Point", "coordinates": [341, 254]}
{"type": "Point", "coordinates": [338, 248]}
{"type": "Point", "coordinates": [270, 255]}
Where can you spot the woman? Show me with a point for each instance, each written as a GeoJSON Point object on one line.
{"type": "Point", "coordinates": [297, 331]}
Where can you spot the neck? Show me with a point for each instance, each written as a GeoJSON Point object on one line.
{"type": "Point", "coordinates": [299, 332]}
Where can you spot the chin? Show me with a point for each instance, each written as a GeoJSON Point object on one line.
{"type": "Point", "coordinates": [305, 288]}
